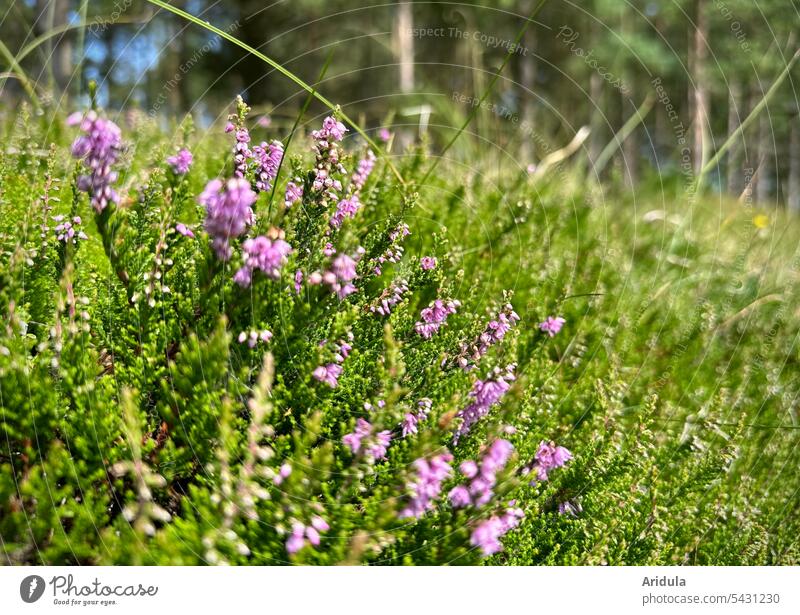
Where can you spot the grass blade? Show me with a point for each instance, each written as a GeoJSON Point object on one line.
{"type": "Point", "coordinates": [747, 121]}
{"type": "Point", "coordinates": [297, 121]}
{"type": "Point", "coordinates": [285, 72]}
{"type": "Point", "coordinates": [485, 95]}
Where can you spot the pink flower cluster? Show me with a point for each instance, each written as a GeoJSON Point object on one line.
{"type": "Point", "coordinates": [262, 254]}
{"type": "Point", "coordinates": [428, 263]}
{"type": "Point", "coordinates": [548, 457]}
{"type": "Point", "coordinates": [494, 333]}
{"type": "Point", "coordinates": [434, 316]}
{"type": "Point", "coordinates": [329, 374]}
{"type": "Point", "coordinates": [487, 534]}
{"type": "Point", "coordinates": [184, 230]}
{"type": "Point", "coordinates": [479, 490]}
{"type": "Point", "coordinates": [67, 230]}
{"type": "Point", "coordinates": [412, 419]}
{"type": "Point", "coordinates": [389, 298]}
{"type": "Point", "coordinates": [99, 147]}
{"type": "Point", "coordinates": [363, 441]}
{"type": "Point", "coordinates": [294, 192]}
{"type": "Point", "coordinates": [327, 153]}
{"type": "Point", "coordinates": [349, 206]}
{"type": "Point", "coordinates": [181, 161]}
{"type": "Point", "coordinates": [254, 337]}
{"type": "Point", "coordinates": [552, 325]}
{"type": "Point", "coordinates": [363, 171]}
{"type": "Point", "coordinates": [339, 277]}
{"type": "Point", "coordinates": [268, 158]}
{"type": "Point", "coordinates": [228, 212]}
{"type": "Point", "coordinates": [485, 394]}
{"type": "Point", "coordinates": [241, 152]}
{"type": "Point", "coordinates": [427, 484]}
{"type": "Point", "coordinates": [394, 253]}
{"type": "Point", "coordinates": [303, 534]}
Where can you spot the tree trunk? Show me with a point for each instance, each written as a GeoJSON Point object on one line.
{"type": "Point", "coordinates": [793, 198]}
{"type": "Point", "coordinates": [630, 147]}
{"type": "Point", "coordinates": [527, 79]}
{"type": "Point", "coordinates": [700, 95]}
{"type": "Point", "coordinates": [766, 155]}
{"type": "Point", "coordinates": [735, 185]}
{"type": "Point", "coordinates": [404, 45]}
{"type": "Point", "coordinates": [596, 121]}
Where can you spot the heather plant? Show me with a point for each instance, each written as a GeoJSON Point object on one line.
{"type": "Point", "coordinates": [216, 351]}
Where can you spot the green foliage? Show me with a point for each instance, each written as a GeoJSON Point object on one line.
{"type": "Point", "coordinates": [137, 429]}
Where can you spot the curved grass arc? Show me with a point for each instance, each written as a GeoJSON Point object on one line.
{"type": "Point", "coordinates": [286, 73]}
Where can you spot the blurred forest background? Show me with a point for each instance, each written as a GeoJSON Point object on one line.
{"type": "Point", "coordinates": [671, 79]}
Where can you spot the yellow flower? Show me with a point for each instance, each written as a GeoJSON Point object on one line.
{"type": "Point", "coordinates": [761, 221]}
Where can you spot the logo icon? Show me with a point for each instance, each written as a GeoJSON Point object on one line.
{"type": "Point", "coordinates": [31, 588]}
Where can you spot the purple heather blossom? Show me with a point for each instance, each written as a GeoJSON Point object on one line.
{"type": "Point", "coordinates": [548, 457]}
{"type": "Point", "coordinates": [484, 394]}
{"type": "Point", "coordinates": [394, 253]}
{"type": "Point", "coordinates": [409, 424]}
{"type": "Point", "coordinates": [184, 230]}
{"type": "Point", "coordinates": [345, 208]}
{"type": "Point", "coordinates": [348, 207]}
{"type": "Point", "coordinates": [294, 192]}
{"type": "Point", "coordinates": [332, 130]}
{"type": "Point", "coordinates": [427, 484]}
{"type": "Point", "coordinates": [283, 473]}
{"type": "Point", "coordinates": [228, 212]}
{"type": "Point", "coordinates": [341, 275]}
{"type": "Point", "coordinates": [265, 255]}
{"type": "Point", "coordinates": [389, 298]}
{"type": "Point", "coordinates": [298, 281]}
{"type": "Point", "coordinates": [486, 535]}
{"type": "Point", "coordinates": [552, 325]}
{"type": "Point", "coordinates": [67, 230]}
{"type": "Point", "coordinates": [254, 337]}
{"type": "Point", "coordinates": [482, 477]}
{"type": "Point", "coordinates": [264, 121]}
{"type": "Point", "coordinates": [570, 507]}
{"type": "Point", "coordinates": [241, 152]}
{"type": "Point", "coordinates": [181, 161]}
{"type": "Point", "coordinates": [494, 333]}
{"type": "Point", "coordinates": [434, 316]}
{"type": "Point", "coordinates": [384, 134]}
{"type": "Point", "coordinates": [327, 162]}
{"type": "Point", "coordinates": [302, 533]}
{"type": "Point", "coordinates": [99, 147]}
{"type": "Point", "coordinates": [363, 170]}
{"type": "Point", "coordinates": [329, 374]}
{"type": "Point", "coordinates": [362, 440]}
{"type": "Point", "coordinates": [268, 158]}
{"type": "Point", "coordinates": [229, 127]}
{"type": "Point", "coordinates": [428, 263]}
{"type": "Point", "coordinates": [412, 419]}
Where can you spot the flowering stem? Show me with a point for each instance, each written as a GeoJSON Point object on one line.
{"type": "Point", "coordinates": [106, 230]}
{"type": "Point", "coordinates": [285, 73]}
{"type": "Point", "coordinates": [299, 117]}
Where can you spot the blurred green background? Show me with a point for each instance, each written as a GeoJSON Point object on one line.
{"type": "Point", "coordinates": [693, 68]}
